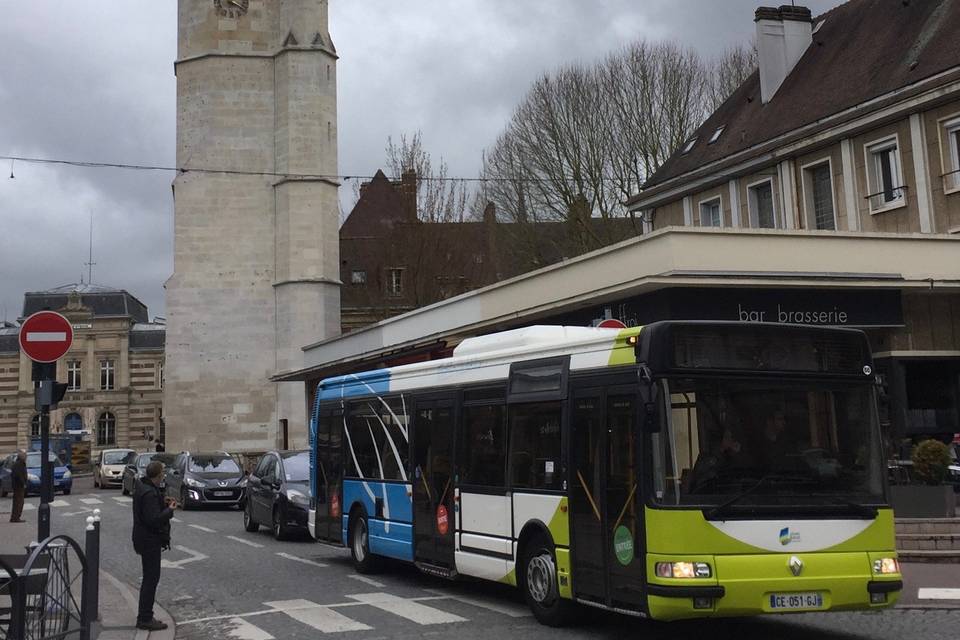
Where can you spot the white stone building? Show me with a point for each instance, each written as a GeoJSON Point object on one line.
{"type": "Point", "coordinates": [255, 238]}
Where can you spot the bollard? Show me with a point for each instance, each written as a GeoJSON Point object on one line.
{"type": "Point", "coordinates": [88, 612]}
{"type": "Point", "coordinates": [94, 564]}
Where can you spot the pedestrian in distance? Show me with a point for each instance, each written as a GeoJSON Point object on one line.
{"type": "Point", "coordinates": [160, 448]}
{"type": "Point", "coordinates": [19, 480]}
{"type": "Point", "coordinates": [151, 535]}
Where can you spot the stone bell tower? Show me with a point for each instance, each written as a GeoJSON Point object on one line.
{"type": "Point", "coordinates": [256, 219]}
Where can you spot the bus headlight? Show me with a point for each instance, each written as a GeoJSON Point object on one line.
{"type": "Point", "coordinates": [683, 570]}
{"type": "Point", "coordinates": [886, 565]}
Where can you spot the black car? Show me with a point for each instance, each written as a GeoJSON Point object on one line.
{"type": "Point", "coordinates": [278, 493]}
{"type": "Point", "coordinates": [138, 468]}
{"type": "Point", "coordinates": [206, 479]}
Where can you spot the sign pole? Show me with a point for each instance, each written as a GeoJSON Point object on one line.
{"type": "Point", "coordinates": [44, 375]}
{"type": "Point", "coordinates": [45, 337]}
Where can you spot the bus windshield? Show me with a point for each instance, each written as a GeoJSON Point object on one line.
{"type": "Point", "coordinates": [766, 444]}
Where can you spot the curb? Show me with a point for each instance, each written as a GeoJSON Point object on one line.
{"type": "Point", "coordinates": [131, 599]}
{"type": "Point", "coordinates": [928, 607]}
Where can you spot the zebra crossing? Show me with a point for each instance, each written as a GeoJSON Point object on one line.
{"type": "Point", "coordinates": [64, 502]}
{"type": "Point", "coordinates": [356, 614]}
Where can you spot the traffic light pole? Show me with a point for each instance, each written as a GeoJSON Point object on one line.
{"type": "Point", "coordinates": [44, 376]}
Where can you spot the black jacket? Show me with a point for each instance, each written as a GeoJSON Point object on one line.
{"type": "Point", "coordinates": [19, 474]}
{"type": "Point", "coordinates": [151, 518]}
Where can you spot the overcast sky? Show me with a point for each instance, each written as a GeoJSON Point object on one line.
{"type": "Point", "coordinates": [93, 80]}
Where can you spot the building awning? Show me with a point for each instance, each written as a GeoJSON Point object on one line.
{"type": "Point", "coordinates": [669, 258]}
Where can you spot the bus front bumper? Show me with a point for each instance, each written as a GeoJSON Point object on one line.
{"type": "Point", "coordinates": [744, 585]}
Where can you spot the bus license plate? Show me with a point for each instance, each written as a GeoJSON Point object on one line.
{"type": "Point", "coordinates": [222, 494]}
{"type": "Point", "coordinates": [793, 601]}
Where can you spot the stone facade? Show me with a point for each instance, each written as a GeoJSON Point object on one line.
{"type": "Point", "coordinates": [256, 245]}
{"type": "Point", "coordinates": [110, 332]}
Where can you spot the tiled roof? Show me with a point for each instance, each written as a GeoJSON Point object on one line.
{"type": "Point", "coordinates": [863, 50]}
{"type": "Point", "coordinates": [103, 301]}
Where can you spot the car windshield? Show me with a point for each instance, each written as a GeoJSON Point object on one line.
{"type": "Point", "coordinates": [297, 467]}
{"type": "Point", "coordinates": [768, 443]}
{"type": "Point", "coordinates": [116, 457]}
{"type": "Point", "coordinates": [213, 464]}
{"type": "Point", "coordinates": [33, 459]}
{"type": "Point", "coordinates": [144, 460]}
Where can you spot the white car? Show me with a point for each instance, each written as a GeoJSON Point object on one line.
{"type": "Point", "coordinates": [108, 469]}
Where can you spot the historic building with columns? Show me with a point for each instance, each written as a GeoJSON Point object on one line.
{"type": "Point", "coordinates": [256, 219]}
{"type": "Point", "coordinates": [114, 372]}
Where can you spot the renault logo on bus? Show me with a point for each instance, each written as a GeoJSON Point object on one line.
{"type": "Point", "coordinates": [796, 565]}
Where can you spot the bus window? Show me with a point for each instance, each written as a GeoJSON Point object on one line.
{"type": "Point", "coordinates": [362, 458]}
{"type": "Point", "coordinates": [483, 446]}
{"type": "Point", "coordinates": [378, 439]}
{"type": "Point", "coordinates": [535, 446]}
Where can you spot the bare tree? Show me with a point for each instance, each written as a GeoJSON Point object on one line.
{"type": "Point", "coordinates": [729, 71]}
{"type": "Point", "coordinates": [440, 197]}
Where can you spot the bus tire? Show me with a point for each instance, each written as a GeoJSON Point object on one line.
{"type": "Point", "coordinates": [538, 580]}
{"type": "Point", "coordinates": [358, 537]}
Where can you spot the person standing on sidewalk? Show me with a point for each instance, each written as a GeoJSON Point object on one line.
{"type": "Point", "coordinates": [151, 535]}
{"type": "Point", "coordinates": [19, 478]}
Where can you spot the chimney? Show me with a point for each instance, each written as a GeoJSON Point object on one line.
{"type": "Point", "coordinates": [783, 36]}
{"type": "Point", "coordinates": [408, 195]}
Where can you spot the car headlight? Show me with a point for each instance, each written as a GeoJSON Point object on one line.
{"type": "Point", "coordinates": [32, 477]}
{"type": "Point", "coordinates": [297, 497]}
{"type": "Point", "coordinates": [683, 570]}
{"type": "Point", "coordinates": [190, 482]}
{"type": "Point", "coordinates": [884, 566]}
{"type": "Point", "coordinates": [242, 482]}
{"type": "Point", "coordinates": [67, 475]}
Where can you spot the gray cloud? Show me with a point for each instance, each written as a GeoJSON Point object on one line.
{"type": "Point", "coordinates": [93, 80]}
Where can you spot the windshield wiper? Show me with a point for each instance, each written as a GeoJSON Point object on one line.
{"type": "Point", "coordinates": [855, 508]}
{"type": "Point", "coordinates": [717, 512]}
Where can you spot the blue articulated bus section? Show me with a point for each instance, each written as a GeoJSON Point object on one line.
{"type": "Point", "coordinates": [392, 536]}
{"type": "Point", "coordinates": [356, 384]}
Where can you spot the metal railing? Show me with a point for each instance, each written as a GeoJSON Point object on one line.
{"type": "Point", "coordinates": [887, 198]}
{"type": "Point", "coordinates": [51, 592]}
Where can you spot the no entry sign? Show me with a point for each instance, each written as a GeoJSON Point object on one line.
{"type": "Point", "coordinates": [46, 336]}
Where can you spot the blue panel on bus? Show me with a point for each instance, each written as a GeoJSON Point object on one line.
{"type": "Point", "coordinates": [391, 539]}
{"type": "Point", "coordinates": [393, 535]}
{"type": "Point", "coordinates": [397, 505]}
{"type": "Point", "coordinates": [356, 384]}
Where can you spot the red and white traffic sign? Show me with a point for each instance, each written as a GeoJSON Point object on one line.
{"type": "Point", "coordinates": [46, 336]}
{"type": "Point", "coordinates": [612, 323]}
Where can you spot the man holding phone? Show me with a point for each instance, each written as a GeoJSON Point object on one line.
{"type": "Point", "coordinates": [151, 535]}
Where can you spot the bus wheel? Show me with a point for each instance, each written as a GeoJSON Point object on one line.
{"type": "Point", "coordinates": [538, 579]}
{"type": "Point", "coordinates": [359, 536]}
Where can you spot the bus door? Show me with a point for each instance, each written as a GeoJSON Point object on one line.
{"type": "Point", "coordinates": [433, 503]}
{"type": "Point", "coordinates": [605, 507]}
{"type": "Point", "coordinates": [329, 470]}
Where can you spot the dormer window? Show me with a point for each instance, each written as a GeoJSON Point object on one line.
{"type": "Point", "coordinates": [716, 134]}
{"type": "Point", "coordinates": [687, 147]}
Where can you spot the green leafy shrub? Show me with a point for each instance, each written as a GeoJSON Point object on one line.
{"type": "Point", "coordinates": [930, 461]}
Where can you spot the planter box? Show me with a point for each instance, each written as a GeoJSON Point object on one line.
{"type": "Point", "coordinates": [922, 501]}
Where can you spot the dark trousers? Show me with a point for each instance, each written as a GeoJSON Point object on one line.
{"type": "Point", "coordinates": [18, 495]}
{"type": "Point", "coordinates": [150, 559]}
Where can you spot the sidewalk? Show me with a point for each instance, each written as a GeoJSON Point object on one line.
{"type": "Point", "coordinates": [118, 601]}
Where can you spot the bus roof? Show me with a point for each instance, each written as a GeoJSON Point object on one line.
{"type": "Point", "coordinates": [488, 358]}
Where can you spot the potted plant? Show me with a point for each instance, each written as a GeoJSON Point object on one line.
{"type": "Point", "coordinates": [930, 497]}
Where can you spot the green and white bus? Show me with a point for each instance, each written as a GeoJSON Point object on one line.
{"type": "Point", "coordinates": [675, 470]}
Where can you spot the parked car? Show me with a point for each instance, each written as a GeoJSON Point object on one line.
{"type": "Point", "coordinates": [137, 468]}
{"type": "Point", "coordinates": [6, 474]}
{"type": "Point", "coordinates": [62, 478]}
{"type": "Point", "coordinates": [108, 469]}
{"type": "Point", "coordinates": [206, 479]}
{"type": "Point", "coordinates": [278, 493]}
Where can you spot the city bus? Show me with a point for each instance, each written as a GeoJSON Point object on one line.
{"type": "Point", "coordinates": [675, 470]}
